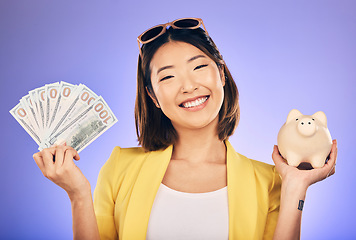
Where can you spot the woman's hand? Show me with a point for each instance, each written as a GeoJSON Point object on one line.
{"type": "Point", "coordinates": [304, 178]}
{"type": "Point", "coordinates": [63, 170]}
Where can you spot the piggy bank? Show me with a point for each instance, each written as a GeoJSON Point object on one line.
{"type": "Point", "coordinates": [305, 138]}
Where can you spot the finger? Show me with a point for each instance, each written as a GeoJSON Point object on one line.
{"type": "Point", "coordinates": [76, 156]}
{"type": "Point", "coordinates": [331, 172]}
{"type": "Point", "coordinates": [39, 161]}
{"type": "Point", "coordinates": [59, 156]}
{"type": "Point", "coordinates": [70, 153]}
{"type": "Point", "coordinates": [332, 159]}
{"type": "Point", "coordinates": [329, 168]}
{"type": "Point", "coordinates": [47, 156]}
{"type": "Point", "coordinates": [333, 153]}
{"type": "Point", "coordinates": [277, 159]}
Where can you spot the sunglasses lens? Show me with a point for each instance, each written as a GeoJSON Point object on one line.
{"type": "Point", "coordinates": [186, 23]}
{"type": "Point", "coordinates": [151, 33]}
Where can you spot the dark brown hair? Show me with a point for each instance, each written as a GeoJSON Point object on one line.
{"type": "Point", "coordinates": [154, 130]}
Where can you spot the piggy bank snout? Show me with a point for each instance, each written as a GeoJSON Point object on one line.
{"type": "Point", "coordinates": [307, 126]}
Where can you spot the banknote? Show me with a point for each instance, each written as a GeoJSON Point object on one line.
{"type": "Point", "coordinates": [82, 98]}
{"type": "Point", "coordinates": [85, 127]}
{"type": "Point", "coordinates": [21, 115]}
{"type": "Point", "coordinates": [31, 114]}
{"type": "Point", "coordinates": [65, 96]}
{"type": "Point", "coordinates": [52, 94]}
{"type": "Point", "coordinates": [63, 112]}
{"type": "Point", "coordinates": [34, 101]}
{"type": "Point", "coordinates": [41, 93]}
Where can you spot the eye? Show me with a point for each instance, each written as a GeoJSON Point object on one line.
{"type": "Point", "coordinates": [200, 66]}
{"type": "Point", "coordinates": [296, 119]}
{"type": "Point", "coordinates": [165, 78]}
{"type": "Point", "coordinates": [313, 119]}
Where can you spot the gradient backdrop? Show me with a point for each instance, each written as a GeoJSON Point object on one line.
{"type": "Point", "coordinates": [283, 55]}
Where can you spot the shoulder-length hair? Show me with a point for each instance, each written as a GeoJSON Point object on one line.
{"type": "Point", "coordinates": [154, 129]}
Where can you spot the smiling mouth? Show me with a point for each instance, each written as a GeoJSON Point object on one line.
{"type": "Point", "coordinates": [195, 103]}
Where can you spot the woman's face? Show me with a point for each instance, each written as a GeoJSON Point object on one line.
{"type": "Point", "coordinates": [188, 85]}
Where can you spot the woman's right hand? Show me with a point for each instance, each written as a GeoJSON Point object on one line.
{"type": "Point", "coordinates": [63, 170]}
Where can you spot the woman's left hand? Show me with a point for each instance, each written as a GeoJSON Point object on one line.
{"type": "Point", "coordinates": [293, 175]}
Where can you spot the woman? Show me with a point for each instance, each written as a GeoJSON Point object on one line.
{"type": "Point", "coordinates": [186, 181]}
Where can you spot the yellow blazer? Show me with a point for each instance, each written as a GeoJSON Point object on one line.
{"type": "Point", "coordinates": [128, 182]}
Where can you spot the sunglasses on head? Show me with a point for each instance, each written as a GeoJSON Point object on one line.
{"type": "Point", "coordinates": [156, 31]}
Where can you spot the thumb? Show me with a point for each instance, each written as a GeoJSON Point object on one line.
{"type": "Point", "coordinates": [76, 156]}
{"type": "Point", "coordinates": [276, 157]}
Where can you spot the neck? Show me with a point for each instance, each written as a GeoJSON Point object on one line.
{"type": "Point", "coordinates": [199, 146]}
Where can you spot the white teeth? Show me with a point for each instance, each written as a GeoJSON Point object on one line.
{"type": "Point", "coordinates": [195, 103]}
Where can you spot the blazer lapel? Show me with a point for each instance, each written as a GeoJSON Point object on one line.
{"type": "Point", "coordinates": [143, 194]}
{"type": "Point", "coordinates": [242, 197]}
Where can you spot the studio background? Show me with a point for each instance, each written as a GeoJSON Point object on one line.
{"type": "Point", "coordinates": [283, 55]}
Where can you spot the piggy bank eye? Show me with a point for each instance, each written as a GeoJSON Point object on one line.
{"type": "Point", "coordinates": [313, 119]}
{"type": "Point", "coordinates": [296, 119]}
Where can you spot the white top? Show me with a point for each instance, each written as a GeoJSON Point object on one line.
{"type": "Point", "coordinates": [180, 215]}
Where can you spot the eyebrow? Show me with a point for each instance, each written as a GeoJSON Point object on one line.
{"type": "Point", "coordinates": [189, 60]}
{"type": "Point", "coordinates": [197, 56]}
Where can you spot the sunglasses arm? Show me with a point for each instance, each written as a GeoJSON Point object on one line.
{"type": "Point", "coordinates": [139, 47]}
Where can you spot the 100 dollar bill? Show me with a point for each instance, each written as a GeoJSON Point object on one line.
{"type": "Point", "coordinates": [80, 99]}
{"type": "Point", "coordinates": [21, 115]}
{"type": "Point", "coordinates": [84, 128]}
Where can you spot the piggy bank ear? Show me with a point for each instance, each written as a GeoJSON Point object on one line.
{"type": "Point", "coordinates": [321, 117]}
{"type": "Point", "coordinates": [293, 115]}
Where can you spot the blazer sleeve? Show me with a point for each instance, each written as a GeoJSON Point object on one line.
{"type": "Point", "coordinates": [274, 203]}
{"type": "Point", "coordinates": [104, 201]}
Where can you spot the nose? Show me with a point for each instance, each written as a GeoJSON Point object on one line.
{"type": "Point", "coordinates": [189, 84]}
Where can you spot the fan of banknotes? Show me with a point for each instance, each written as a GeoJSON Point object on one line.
{"type": "Point", "coordinates": [61, 112]}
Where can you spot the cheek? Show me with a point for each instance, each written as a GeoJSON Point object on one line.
{"type": "Point", "coordinates": [166, 101]}
{"type": "Point", "coordinates": [165, 95]}
{"type": "Point", "coordinates": [213, 78]}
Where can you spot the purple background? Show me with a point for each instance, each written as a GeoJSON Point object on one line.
{"type": "Point", "coordinates": [282, 56]}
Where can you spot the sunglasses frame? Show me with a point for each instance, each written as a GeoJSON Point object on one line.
{"type": "Point", "coordinates": [164, 29]}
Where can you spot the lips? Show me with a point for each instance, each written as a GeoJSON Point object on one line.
{"type": "Point", "coordinates": [193, 102]}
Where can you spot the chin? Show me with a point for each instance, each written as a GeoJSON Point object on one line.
{"type": "Point", "coordinates": [196, 124]}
